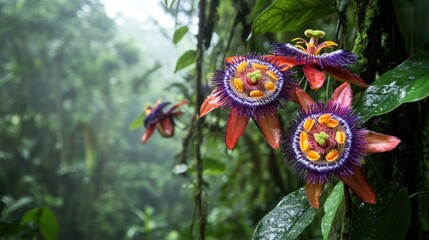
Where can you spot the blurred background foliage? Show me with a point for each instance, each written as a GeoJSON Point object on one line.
{"type": "Point", "coordinates": [74, 81]}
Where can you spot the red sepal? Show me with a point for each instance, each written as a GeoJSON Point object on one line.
{"type": "Point", "coordinates": [343, 95]}
{"type": "Point", "coordinates": [360, 186]}
{"type": "Point", "coordinates": [345, 75]}
{"type": "Point", "coordinates": [166, 127]}
{"type": "Point", "coordinates": [315, 77]}
{"type": "Point", "coordinates": [235, 127]}
{"type": "Point", "coordinates": [268, 124]}
{"type": "Point", "coordinates": [288, 62]}
{"type": "Point", "coordinates": [314, 191]}
{"type": "Point", "coordinates": [303, 99]}
{"type": "Point", "coordinates": [149, 131]}
{"type": "Point", "coordinates": [211, 103]}
{"type": "Point", "coordinates": [377, 142]}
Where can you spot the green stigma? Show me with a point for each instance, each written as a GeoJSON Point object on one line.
{"type": "Point", "coordinates": [254, 76]}
{"type": "Point", "coordinates": [314, 33]}
{"type": "Point", "coordinates": [321, 138]}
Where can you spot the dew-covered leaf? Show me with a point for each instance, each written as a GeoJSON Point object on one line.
{"type": "Point", "coordinates": [408, 82]}
{"type": "Point", "coordinates": [288, 219]}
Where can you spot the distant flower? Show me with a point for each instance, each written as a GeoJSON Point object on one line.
{"type": "Point", "coordinates": [329, 140]}
{"type": "Point", "coordinates": [316, 64]}
{"type": "Point", "coordinates": [162, 120]}
{"type": "Point", "coordinates": [254, 87]}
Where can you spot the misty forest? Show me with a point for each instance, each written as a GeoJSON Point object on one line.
{"type": "Point", "coordinates": [210, 119]}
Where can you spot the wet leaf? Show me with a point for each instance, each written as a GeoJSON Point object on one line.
{"type": "Point", "coordinates": [45, 219]}
{"type": "Point", "coordinates": [288, 219]}
{"type": "Point", "coordinates": [331, 206]}
{"type": "Point", "coordinates": [290, 15]}
{"type": "Point", "coordinates": [407, 82]}
{"type": "Point", "coordinates": [186, 59]}
{"type": "Point", "coordinates": [388, 219]}
{"type": "Point", "coordinates": [179, 34]}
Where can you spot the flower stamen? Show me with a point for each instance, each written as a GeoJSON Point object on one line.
{"type": "Point", "coordinates": [256, 93]}
{"type": "Point", "coordinates": [332, 155]}
{"type": "Point", "coordinates": [313, 155]}
{"type": "Point", "coordinates": [241, 66]}
{"type": "Point", "coordinates": [340, 137]}
{"type": "Point", "coordinates": [259, 66]}
{"type": "Point", "coordinates": [239, 84]}
{"type": "Point", "coordinates": [303, 141]}
{"type": "Point", "coordinates": [324, 118]}
{"type": "Point", "coordinates": [269, 86]}
{"type": "Point", "coordinates": [272, 75]}
{"type": "Point", "coordinates": [332, 123]}
{"type": "Point", "coordinates": [308, 124]}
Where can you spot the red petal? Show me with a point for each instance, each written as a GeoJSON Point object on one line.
{"type": "Point", "coordinates": [148, 133]}
{"type": "Point", "coordinates": [345, 75]}
{"type": "Point", "coordinates": [281, 60]}
{"type": "Point", "coordinates": [343, 95]}
{"type": "Point", "coordinates": [235, 127]}
{"type": "Point", "coordinates": [179, 104]}
{"type": "Point", "coordinates": [378, 142]}
{"type": "Point", "coordinates": [313, 192]}
{"type": "Point", "coordinates": [211, 102]}
{"type": "Point", "coordinates": [357, 182]}
{"type": "Point", "coordinates": [315, 77]}
{"type": "Point", "coordinates": [165, 127]}
{"type": "Point", "coordinates": [270, 128]}
{"type": "Point", "coordinates": [303, 99]}
{"type": "Point", "coordinates": [234, 59]}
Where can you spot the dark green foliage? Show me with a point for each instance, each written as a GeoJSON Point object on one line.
{"type": "Point", "coordinates": [388, 219]}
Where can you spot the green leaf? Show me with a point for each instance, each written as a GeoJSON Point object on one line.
{"type": "Point", "coordinates": [388, 219]}
{"type": "Point", "coordinates": [407, 82]}
{"type": "Point", "coordinates": [137, 123]}
{"type": "Point", "coordinates": [45, 219]}
{"type": "Point", "coordinates": [289, 15]}
{"type": "Point", "coordinates": [331, 207]}
{"type": "Point", "coordinates": [186, 59]}
{"type": "Point", "coordinates": [179, 34]}
{"type": "Point", "coordinates": [288, 219]}
{"type": "Point", "coordinates": [211, 167]}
